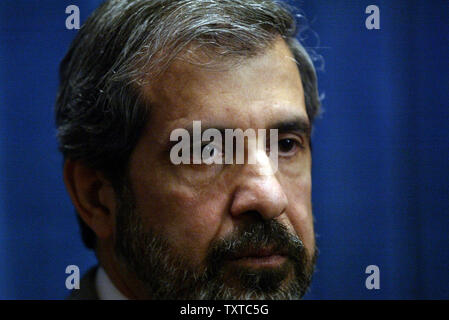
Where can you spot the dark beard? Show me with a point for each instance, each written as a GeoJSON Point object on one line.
{"type": "Point", "coordinates": [168, 275]}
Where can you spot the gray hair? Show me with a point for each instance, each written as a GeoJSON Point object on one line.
{"type": "Point", "coordinates": [100, 111]}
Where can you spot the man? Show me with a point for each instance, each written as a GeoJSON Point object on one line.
{"type": "Point", "coordinates": [137, 71]}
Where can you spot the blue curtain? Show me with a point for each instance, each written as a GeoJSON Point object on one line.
{"type": "Point", "coordinates": [380, 158]}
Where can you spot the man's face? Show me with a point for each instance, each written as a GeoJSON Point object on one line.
{"type": "Point", "coordinates": [230, 227]}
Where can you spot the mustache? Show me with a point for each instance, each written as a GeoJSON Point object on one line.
{"type": "Point", "coordinates": [257, 238]}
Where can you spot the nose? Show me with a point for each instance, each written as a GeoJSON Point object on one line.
{"type": "Point", "coordinates": [258, 192]}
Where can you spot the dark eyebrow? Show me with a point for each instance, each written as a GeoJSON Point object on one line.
{"type": "Point", "coordinates": [298, 124]}
{"type": "Point", "coordinates": [221, 129]}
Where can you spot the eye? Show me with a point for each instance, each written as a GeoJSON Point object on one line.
{"type": "Point", "coordinates": [289, 146]}
{"type": "Point", "coordinates": [208, 150]}
{"type": "Point", "coordinates": [210, 153]}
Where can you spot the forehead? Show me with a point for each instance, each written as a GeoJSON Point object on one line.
{"type": "Point", "coordinates": [254, 93]}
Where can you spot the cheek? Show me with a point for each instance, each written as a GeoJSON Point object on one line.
{"type": "Point", "coordinates": [187, 217]}
{"type": "Point", "coordinates": [299, 210]}
{"type": "Point", "coordinates": [186, 213]}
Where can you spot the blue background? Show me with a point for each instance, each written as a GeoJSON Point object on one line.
{"type": "Point", "coordinates": [381, 151]}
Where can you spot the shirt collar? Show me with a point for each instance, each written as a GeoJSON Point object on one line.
{"type": "Point", "coordinates": [105, 288]}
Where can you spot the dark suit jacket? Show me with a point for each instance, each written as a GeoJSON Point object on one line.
{"type": "Point", "coordinates": [87, 290]}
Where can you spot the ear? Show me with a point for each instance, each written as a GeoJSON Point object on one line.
{"type": "Point", "coordinates": [93, 197]}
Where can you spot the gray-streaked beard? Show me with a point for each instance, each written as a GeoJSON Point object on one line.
{"type": "Point", "coordinates": [168, 275]}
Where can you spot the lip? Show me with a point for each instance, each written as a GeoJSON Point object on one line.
{"type": "Point", "coordinates": [270, 261]}
{"type": "Point", "coordinates": [262, 257]}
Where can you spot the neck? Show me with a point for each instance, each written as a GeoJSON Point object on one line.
{"type": "Point", "coordinates": [117, 272]}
